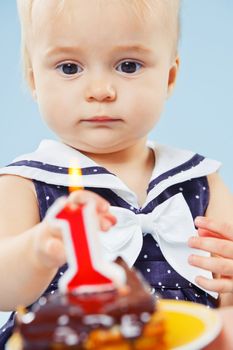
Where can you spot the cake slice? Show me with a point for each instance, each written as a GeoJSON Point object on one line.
{"type": "Point", "coordinates": [113, 320]}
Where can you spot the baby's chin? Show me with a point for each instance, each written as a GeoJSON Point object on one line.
{"type": "Point", "coordinates": [99, 146]}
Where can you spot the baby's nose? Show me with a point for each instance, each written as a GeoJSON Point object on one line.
{"type": "Point", "coordinates": [100, 91]}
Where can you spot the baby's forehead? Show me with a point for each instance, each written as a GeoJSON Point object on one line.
{"type": "Point", "coordinates": [133, 15]}
{"type": "Point", "coordinates": [142, 9]}
{"type": "Point", "coordinates": [165, 12]}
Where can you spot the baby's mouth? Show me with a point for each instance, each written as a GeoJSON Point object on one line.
{"type": "Point", "coordinates": [101, 119]}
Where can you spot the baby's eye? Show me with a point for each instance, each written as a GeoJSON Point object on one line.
{"type": "Point", "coordinates": [129, 67]}
{"type": "Point", "coordinates": [69, 68]}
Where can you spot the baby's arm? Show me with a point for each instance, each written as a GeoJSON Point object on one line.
{"type": "Point", "coordinates": [30, 251]}
{"type": "Point", "coordinates": [216, 236]}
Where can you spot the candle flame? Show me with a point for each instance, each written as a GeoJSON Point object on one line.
{"type": "Point", "coordinates": [75, 179]}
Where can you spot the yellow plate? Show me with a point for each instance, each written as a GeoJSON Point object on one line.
{"type": "Point", "coordinates": [190, 326]}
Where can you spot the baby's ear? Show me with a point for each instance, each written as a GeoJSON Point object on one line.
{"type": "Point", "coordinates": [173, 72]}
{"type": "Point", "coordinates": [31, 82]}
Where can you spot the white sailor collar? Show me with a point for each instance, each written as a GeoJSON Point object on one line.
{"type": "Point", "coordinates": [51, 160]}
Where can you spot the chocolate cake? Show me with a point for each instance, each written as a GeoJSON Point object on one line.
{"type": "Point", "coordinates": [119, 319]}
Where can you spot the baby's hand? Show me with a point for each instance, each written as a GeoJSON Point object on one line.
{"type": "Point", "coordinates": [217, 239]}
{"type": "Point", "coordinates": [106, 219]}
{"type": "Point", "coordinates": [48, 240]}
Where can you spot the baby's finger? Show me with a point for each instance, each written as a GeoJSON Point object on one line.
{"type": "Point", "coordinates": [84, 197]}
{"type": "Point", "coordinates": [206, 233]}
{"type": "Point", "coordinates": [216, 265]}
{"type": "Point", "coordinates": [55, 253]}
{"type": "Point", "coordinates": [224, 229]}
{"type": "Point", "coordinates": [107, 221]}
{"type": "Point", "coordinates": [48, 245]}
{"type": "Point", "coordinates": [221, 247]}
{"type": "Point", "coordinates": [215, 285]}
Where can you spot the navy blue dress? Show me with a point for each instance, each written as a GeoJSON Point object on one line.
{"type": "Point", "coordinates": [184, 172]}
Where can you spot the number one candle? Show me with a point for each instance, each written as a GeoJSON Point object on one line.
{"type": "Point", "coordinates": [87, 271]}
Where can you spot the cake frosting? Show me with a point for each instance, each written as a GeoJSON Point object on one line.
{"type": "Point", "coordinates": [117, 319]}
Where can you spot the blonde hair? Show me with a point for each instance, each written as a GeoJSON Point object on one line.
{"type": "Point", "coordinates": [141, 8]}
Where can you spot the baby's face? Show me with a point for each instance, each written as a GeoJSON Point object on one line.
{"type": "Point", "coordinates": [101, 76]}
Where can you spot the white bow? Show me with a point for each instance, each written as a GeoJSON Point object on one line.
{"type": "Point", "coordinates": [170, 224]}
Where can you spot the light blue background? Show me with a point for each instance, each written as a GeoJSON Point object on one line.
{"type": "Point", "coordinates": [198, 116]}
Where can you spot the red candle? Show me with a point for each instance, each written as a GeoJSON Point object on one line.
{"type": "Point", "coordinates": [87, 271]}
